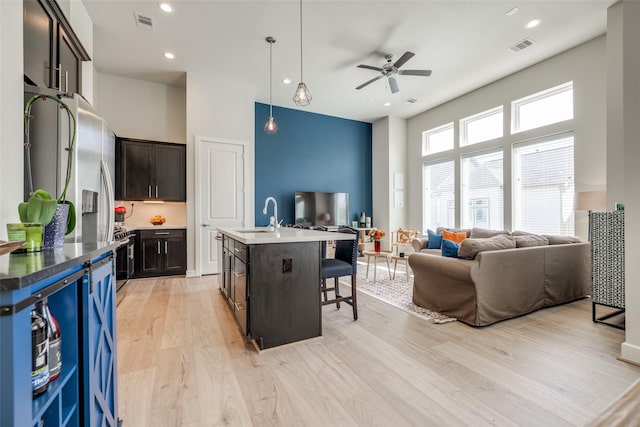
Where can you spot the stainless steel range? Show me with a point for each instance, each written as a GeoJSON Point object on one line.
{"type": "Point", "coordinates": [124, 255]}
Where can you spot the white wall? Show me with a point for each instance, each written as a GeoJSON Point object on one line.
{"type": "Point", "coordinates": [624, 132]}
{"type": "Point", "coordinates": [140, 109]}
{"type": "Point", "coordinates": [380, 177]}
{"type": "Point", "coordinates": [218, 108]}
{"type": "Point", "coordinates": [389, 156]}
{"type": "Point", "coordinates": [585, 65]}
{"type": "Point", "coordinates": [11, 107]}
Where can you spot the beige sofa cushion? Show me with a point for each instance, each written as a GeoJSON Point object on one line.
{"type": "Point", "coordinates": [470, 247]}
{"type": "Point", "coordinates": [562, 240]}
{"type": "Point", "coordinates": [483, 233]}
{"type": "Point", "coordinates": [527, 240]}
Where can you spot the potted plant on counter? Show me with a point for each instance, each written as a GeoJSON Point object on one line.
{"type": "Point", "coordinates": [57, 216]}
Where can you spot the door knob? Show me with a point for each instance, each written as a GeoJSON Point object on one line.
{"type": "Point", "coordinates": [206, 225]}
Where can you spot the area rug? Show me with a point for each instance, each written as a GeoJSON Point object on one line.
{"type": "Point", "coordinates": [397, 292]}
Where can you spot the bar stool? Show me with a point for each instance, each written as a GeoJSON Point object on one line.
{"type": "Point", "coordinates": [343, 264]}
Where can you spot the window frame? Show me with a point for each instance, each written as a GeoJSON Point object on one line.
{"type": "Point", "coordinates": [439, 129]}
{"type": "Point", "coordinates": [464, 122]}
{"type": "Point", "coordinates": [516, 174]}
{"type": "Point", "coordinates": [426, 212]}
{"type": "Point", "coordinates": [517, 104]}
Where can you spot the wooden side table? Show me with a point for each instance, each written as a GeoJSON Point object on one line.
{"type": "Point", "coordinates": [404, 258]}
{"type": "Point", "coordinates": [382, 254]}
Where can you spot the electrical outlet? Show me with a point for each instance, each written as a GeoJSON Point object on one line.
{"type": "Point", "coordinates": [287, 265]}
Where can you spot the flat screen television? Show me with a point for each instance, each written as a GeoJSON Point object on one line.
{"type": "Point", "coordinates": [314, 208]}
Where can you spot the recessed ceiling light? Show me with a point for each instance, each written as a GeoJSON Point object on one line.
{"type": "Point", "coordinates": [169, 55]}
{"type": "Point", "coordinates": [166, 7]}
{"type": "Point", "coordinates": [386, 104]}
{"type": "Point", "coordinates": [512, 11]}
{"type": "Point", "coordinates": [286, 81]}
{"type": "Point", "coordinates": [533, 23]}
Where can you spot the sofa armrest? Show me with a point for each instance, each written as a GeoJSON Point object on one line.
{"type": "Point", "coordinates": [419, 243]}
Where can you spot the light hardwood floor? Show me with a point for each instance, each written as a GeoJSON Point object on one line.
{"type": "Point", "coordinates": [183, 362]}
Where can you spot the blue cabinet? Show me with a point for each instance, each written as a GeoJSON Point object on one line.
{"type": "Point", "coordinates": [81, 295]}
{"type": "Point", "coordinates": [99, 366]}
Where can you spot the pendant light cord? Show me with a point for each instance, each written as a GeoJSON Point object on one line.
{"type": "Point", "coordinates": [301, 75]}
{"type": "Point", "coordinates": [270, 77]}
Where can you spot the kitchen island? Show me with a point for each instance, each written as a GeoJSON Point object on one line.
{"type": "Point", "coordinates": [272, 282]}
{"type": "Point", "coordinates": [77, 280]}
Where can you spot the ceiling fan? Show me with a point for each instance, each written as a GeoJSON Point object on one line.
{"type": "Point", "coordinates": [390, 70]}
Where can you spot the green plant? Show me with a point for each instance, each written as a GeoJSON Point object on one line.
{"type": "Point", "coordinates": [41, 207]}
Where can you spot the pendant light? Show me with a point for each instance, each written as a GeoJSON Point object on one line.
{"type": "Point", "coordinates": [302, 96]}
{"type": "Point", "coordinates": [270, 126]}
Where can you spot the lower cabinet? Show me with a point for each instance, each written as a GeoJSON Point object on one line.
{"type": "Point", "coordinates": [99, 368]}
{"type": "Point", "coordinates": [273, 290]}
{"type": "Point", "coordinates": [161, 252]}
{"type": "Point", "coordinates": [82, 299]}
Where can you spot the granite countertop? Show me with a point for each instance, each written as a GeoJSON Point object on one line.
{"type": "Point", "coordinates": [264, 235]}
{"type": "Point", "coordinates": [18, 271]}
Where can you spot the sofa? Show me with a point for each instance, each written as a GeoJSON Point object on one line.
{"type": "Point", "coordinates": [531, 272]}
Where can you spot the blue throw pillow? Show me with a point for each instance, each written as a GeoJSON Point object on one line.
{"type": "Point", "coordinates": [435, 240]}
{"type": "Point", "coordinates": [450, 248]}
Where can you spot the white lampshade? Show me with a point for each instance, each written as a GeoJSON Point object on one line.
{"type": "Point", "coordinates": [591, 201]}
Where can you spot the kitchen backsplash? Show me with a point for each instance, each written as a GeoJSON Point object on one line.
{"type": "Point", "coordinates": [139, 213]}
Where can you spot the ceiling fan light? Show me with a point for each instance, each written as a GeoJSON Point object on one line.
{"type": "Point", "coordinates": [271, 126]}
{"type": "Point", "coordinates": [393, 85]}
{"type": "Point", "coordinates": [302, 96]}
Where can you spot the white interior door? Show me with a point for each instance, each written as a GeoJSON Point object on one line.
{"type": "Point", "coordinates": [221, 197]}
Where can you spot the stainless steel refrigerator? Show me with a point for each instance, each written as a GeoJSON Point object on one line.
{"type": "Point", "coordinates": [93, 161]}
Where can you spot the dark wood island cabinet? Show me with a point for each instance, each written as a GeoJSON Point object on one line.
{"type": "Point", "coordinates": [272, 282]}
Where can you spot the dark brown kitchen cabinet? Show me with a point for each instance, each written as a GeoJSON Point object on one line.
{"type": "Point", "coordinates": [161, 252]}
{"type": "Point", "coordinates": [53, 53]}
{"type": "Point", "coordinates": [150, 170]}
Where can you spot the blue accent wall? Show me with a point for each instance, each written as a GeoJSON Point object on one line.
{"type": "Point", "coordinates": [310, 152]}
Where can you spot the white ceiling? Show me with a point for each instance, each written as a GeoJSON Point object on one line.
{"type": "Point", "coordinates": [465, 43]}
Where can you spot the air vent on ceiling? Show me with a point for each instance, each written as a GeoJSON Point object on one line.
{"type": "Point", "coordinates": [412, 100]}
{"type": "Point", "coordinates": [143, 21]}
{"type": "Point", "coordinates": [521, 45]}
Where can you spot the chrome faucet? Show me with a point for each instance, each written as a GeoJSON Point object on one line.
{"type": "Point", "coordinates": [275, 211]}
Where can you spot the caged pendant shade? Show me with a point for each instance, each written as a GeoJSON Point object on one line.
{"type": "Point", "coordinates": [270, 126]}
{"type": "Point", "coordinates": [302, 96]}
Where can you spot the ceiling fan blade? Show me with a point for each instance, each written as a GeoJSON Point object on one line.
{"type": "Point", "coordinates": [415, 72]}
{"type": "Point", "coordinates": [370, 67]}
{"type": "Point", "coordinates": [404, 58]}
{"type": "Point", "coordinates": [393, 85]}
{"type": "Point", "coordinates": [370, 81]}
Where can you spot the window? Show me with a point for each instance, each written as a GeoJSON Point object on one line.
{"type": "Point", "coordinates": [543, 186]}
{"type": "Point", "coordinates": [542, 108]}
{"type": "Point", "coordinates": [437, 140]}
{"type": "Point", "coordinates": [481, 127]}
{"type": "Point", "coordinates": [482, 191]}
{"type": "Point", "coordinates": [439, 195]}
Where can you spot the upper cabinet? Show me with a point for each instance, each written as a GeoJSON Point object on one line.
{"type": "Point", "coordinates": [149, 170]}
{"type": "Point", "coordinates": [53, 53]}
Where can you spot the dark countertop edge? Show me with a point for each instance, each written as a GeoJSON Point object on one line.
{"type": "Point", "coordinates": [53, 261]}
